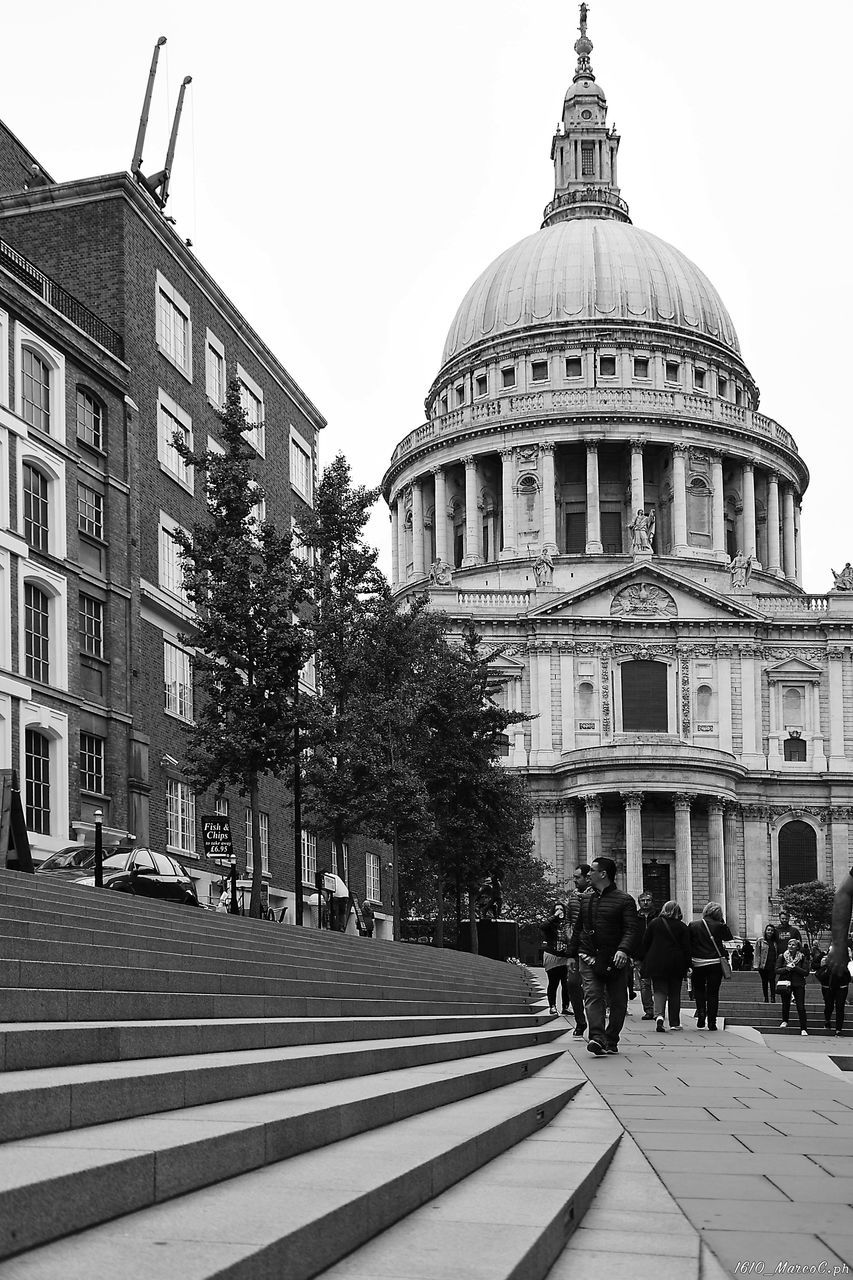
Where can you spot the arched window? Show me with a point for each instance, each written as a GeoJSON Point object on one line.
{"type": "Point", "coordinates": [36, 507]}
{"type": "Point", "coordinates": [35, 390]}
{"type": "Point", "coordinates": [37, 765]}
{"type": "Point", "coordinates": [797, 854]}
{"type": "Point", "coordinates": [36, 634]}
{"type": "Point", "coordinates": [795, 749]}
{"type": "Point", "coordinates": [704, 702]}
{"type": "Point", "coordinates": [644, 697]}
{"type": "Point", "coordinates": [699, 509]}
{"type": "Point", "coordinates": [586, 706]}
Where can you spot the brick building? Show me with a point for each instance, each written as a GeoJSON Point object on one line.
{"type": "Point", "coordinates": [113, 337]}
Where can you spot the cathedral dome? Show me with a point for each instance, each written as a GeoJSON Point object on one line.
{"type": "Point", "coordinates": [589, 269]}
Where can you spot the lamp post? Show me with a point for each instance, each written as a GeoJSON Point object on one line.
{"type": "Point", "coordinates": [99, 849]}
{"type": "Point", "coordinates": [234, 909]}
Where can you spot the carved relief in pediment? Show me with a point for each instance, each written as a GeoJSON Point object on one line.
{"type": "Point", "coordinates": [643, 599]}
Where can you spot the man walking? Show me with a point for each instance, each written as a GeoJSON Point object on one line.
{"type": "Point", "coordinates": [785, 932]}
{"type": "Point", "coordinates": [573, 910]}
{"type": "Point", "coordinates": [646, 913]}
{"type": "Point", "coordinates": [604, 938]}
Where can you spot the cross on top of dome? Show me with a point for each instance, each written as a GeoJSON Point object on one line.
{"type": "Point", "coordinates": [583, 48]}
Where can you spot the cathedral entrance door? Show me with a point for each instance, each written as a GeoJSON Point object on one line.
{"type": "Point", "coordinates": [656, 882]}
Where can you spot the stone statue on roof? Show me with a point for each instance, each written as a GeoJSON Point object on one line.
{"type": "Point", "coordinates": [844, 579]}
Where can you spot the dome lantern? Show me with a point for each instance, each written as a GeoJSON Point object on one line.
{"type": "Point", "coordinates": [584, 149]}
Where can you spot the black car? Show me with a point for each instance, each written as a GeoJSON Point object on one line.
{"type": "Point", "coordinates": [70, 861]}
{"type": "Point", "coordinates": [147, 874]}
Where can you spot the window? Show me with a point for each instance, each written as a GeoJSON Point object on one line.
{"type": "Point", "coordinates": [372, 869]}
{"type": "Point", "coordinates": [90, 421]}
{"type": "Point", "coordinates": [612, 526]}
{"type": "Point", "coordinates": [607, 366]}
{"type": "Point", "coordinates": [180, 817]}
{"type": "Point", "coordinates": [641, 366]}
{"type": "Point", "coordinates": [91, 614]}
{"type": "Point", "coordinates": [90, 511]}
{"type": "Point", "coordinates": [345, 850]}
{"type": "Point", "coordinates": [673, 371]}
{"type": "Point", "coordinates": [214, 369]}
{"type": "Point", "coordinates": [220, 806]}
{"type": "Point", "coordinates": [177, 681]}
{"type": "Point", "coordinates": [308, 674]}
{"type": "Point", "coordinates": [301, 469]}
{"type": "Point", "coordinates": [739, 401]}
{"type": "Point", "coordinates": [91, 763]}
{"type": "Point", "coordinates": [36, 508]}
{"type": "Point", "coordinates": [539, 371]}
{"type": "Point", "coordinates": [171, 569]}
{"type": "Point", "coordinates": [174, 331]}
{"type": "Point", "coordinates": [722, 387]}
{"type": "Point", "coordinates": [259, 515]}
{"type": "Point", "coordinates": [252, 401]}
{"type": "Point", "coordinates": [481, 384]}
{"type": "Point", "coordinates": [460, 393]}
{"type": "Point", "coordinates": [587, 159]}
{"type": "Point", "coordinates": [574, 367]}
{"type": "Point", "coordinates": [264, 820]}
{"type": "Point", "coordinates": [792, 706]}
{"type": "Point", "coordinates": [644, 697]}
{"type": "Point", "coordinates": [37, 764]}
{"type": "Point", "coordinates": [35, 390]}
{"type": "Point", "coordinates": [172, 422]}
{"type": "Point", "coordinates": [309, 857]}
{"type": "Point", "coordinates": [36, 634]}
{"type": "Point", "coordinates": [797, 854]}
{"type": "Point", "coordinates": [508, 377]}
{"type": "Point", "coordinates": [699, 378]}
{"type": "Point", "coordinates": [795, 749]}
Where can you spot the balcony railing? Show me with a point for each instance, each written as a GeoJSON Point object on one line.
{"type": "Point", "coordinates": [60, 299]}
{"type": "Point", "coordinates": [595, 401]}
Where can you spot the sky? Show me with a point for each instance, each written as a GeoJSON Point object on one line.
{"type": "Point", "coordinates": [346, 171]}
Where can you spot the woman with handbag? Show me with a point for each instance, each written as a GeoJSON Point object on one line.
{"type": "Point", "coordinates": [792, 969]}
{"type": "Point", "coordinates": [555, 957]}
{"type": "Point", "coordinates": [766, 954]}
{"type": "Point", "coordinates": [709, 962]}
{"type": "Point", "coordinates": [666, 959]}
{"type": "Point", "coordinates": [834, 993]}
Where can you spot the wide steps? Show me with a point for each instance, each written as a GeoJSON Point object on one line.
{"type": "Point", "coordinates": [303, 1214]}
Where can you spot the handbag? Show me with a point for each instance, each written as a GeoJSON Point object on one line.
{"type": "Point", "coordinates": [783, 984]}
{"type": "Point", "coordinates": [724, 959]}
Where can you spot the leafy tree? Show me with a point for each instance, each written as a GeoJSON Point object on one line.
{"type": "Point", "coordinates": [810, 906]}
{"type": "Point", "coordinates": [246, 589]}
{"type": "Point", "coordinates": [529, 890]}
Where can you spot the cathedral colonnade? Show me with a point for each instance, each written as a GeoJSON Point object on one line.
{"type": "Point", "coordinates": [579, 497]}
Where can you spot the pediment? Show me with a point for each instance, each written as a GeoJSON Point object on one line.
{"type": "Point", "coordinates": [644, 592]}
{"type": "Point", "coordinates": [794, 669]}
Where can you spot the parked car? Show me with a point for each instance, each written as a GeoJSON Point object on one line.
{"type": "Point", "coordinates": [70, 861]}
{"type": "Point", "coordinates": [147, 874]}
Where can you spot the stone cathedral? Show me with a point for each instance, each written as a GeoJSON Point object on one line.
{"type": "Point", "coordinates": [594, 484]}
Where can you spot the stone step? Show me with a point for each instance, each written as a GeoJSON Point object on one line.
{"type": "Point", "coordinates": [93, 1175]}
{"type": "Point", "coordinates": [296, 1217]}
{"type": "Point", "coordinates": [24, 1046]}
{"type": "Point", "coordinates": [55, 1099]}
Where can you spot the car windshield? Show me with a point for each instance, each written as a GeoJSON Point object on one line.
{"type": "Point", "coordinates": [68, 858]}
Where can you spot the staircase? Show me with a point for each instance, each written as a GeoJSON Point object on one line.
{"type": "Point", "coordinates": [742, 1005]}
{"type": "Point", "coordinates": [185, 1094]}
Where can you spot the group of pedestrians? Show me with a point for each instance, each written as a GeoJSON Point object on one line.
{"type": "Point", "coordinates": [784, 963]}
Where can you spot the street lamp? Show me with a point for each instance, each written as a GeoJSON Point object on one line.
{"type": "Point", "coordinates": [234, 909]}
{"type": "Point", "coordinates": [99, 849]}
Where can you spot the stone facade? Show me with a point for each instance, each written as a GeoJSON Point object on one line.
{"type": "Point", "coordinates": [595, 484]}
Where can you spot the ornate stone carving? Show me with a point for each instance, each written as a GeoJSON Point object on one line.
{"type": "Point", "coordinates": [642, 599]}
{"type": "Point", "coordinates": [547, 446]}
{"type": "Point", "coordinates": [440, 573]}
{"type": "Point", "coordinates": [605, 696]}
{"type": "Point", "coordinates": [844, 579]}
{"type": "Point", "coordinates": [683, 800]}
{"type": "Point", "coordinates": [685, 700]}
{"type": "Point", "coordinates": [755, 812]}
{"type": "Point", "coordinates": [632, 799]}
{"type": "Point", "coordinates": [592, 802]}
{"type": "Point", "coordinates": [642, 530]}
{"type": "Point", "coordinates": [543, 568]}
{"type": "Point", "coordinates": [740, 567]}
{"type": "Point", "coordinates": [840, 813]}
{"type": "Point", "coordinates": [645, 651]}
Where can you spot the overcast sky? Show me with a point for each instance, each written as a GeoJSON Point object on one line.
{"type": "Point", "coordinates": [346, 171]}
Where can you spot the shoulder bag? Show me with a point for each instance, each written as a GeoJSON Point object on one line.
{"type": "Point", "coordinates": [724, 959]}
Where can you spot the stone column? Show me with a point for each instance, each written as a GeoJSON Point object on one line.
{"type": "Point", "coordinates": [718, 509]}
{"type": "Point", "coordinates": [839, 834]}
{"type": "Point", "coordinates": [548, 834]}
{"type": "Point", "coordinates": [593, 517]}
{"type": "Point", "coordinates": [679, 499]}
{"type": "Point", "coordinates": [716, 854]}
{"type": "Point", "coordinates": [441, 541]}
{"type": "Point", "coordinates": [757, 878]}
{"type": "Point", "coordinates": [549, 505]}
{"type": "Point", "coordinates": [798, 543]}
{"type": "Point", "coordinates": [774, 550]}
{"type": "Point", "coordinates": [683, 855]}
{"type": "Point", "coordinates": [403, 551]}
{"type": "Point", "coordinates": [750, 541]}
{"type": "Point", "coordinates": [417, 528]}
{"type": "Point", "coordinates": [837, 761]}
{"type": "Point", "coordinates": [638, 486]}
{"type": "Point", "coordinates": [395, 543]}
{"type": "Point", "coordinates": [633, 801]}
{"type": "Point", "coordinates": [818, 747]}
{"type": "Point", "coordinates": [472, 515]}
{"type": "Point", "coordinates": [724, 697]}
{"type": "Point", "coordinates": [542, 671]}
{"type": "Point", "coordinates": [592, 804]}
{"type": "Point", "coordinates": [567, 699]}
{"type": "Point", "coordinates": [789, 554]}
{"type": "Point", "coordinates": [570, 837]}
{"type": "Point", "coordinates": [508, 503]}
{"type": "Point", "coordinates": [750, 748]}
{"type": "Point", "coordinates": [734, 913]}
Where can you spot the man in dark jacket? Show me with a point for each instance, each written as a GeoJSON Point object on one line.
{"type": "Point", "coordinates": [605, 937]}
{"type": "Point", "coordinates": [647, 913]}
{"type": "Point", "coordinates": [573, 910]}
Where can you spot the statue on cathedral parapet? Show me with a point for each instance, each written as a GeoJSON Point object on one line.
{"type": "Point", "coordinates": [642, 530]}
{"type": "Point", "coordinates": [440, 573]}
{"type": "Point", "coordinates": [543, 568]}
{"type": "Point", "coordinates": [844, 579]}
{"type": "Point", "coordinates": [740, 567]}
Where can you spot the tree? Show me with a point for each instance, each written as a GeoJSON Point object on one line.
{"type": "Point", "coordinates": [246, 589]}
{"type": "Point", "coordinates": [810, 906]}
{"type": "Point", "coordinates": [530, 889]}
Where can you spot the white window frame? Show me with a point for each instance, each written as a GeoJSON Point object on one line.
{"type": "Point", "coordinates": [4, 359]}
{"type": "Point", "coordinates": [168, 557]}
{"type": "Point", "coordinates": [308, 843]}
{"type": "Point", "coordinates": [5, 612]}
{"type": "Point", "coordinates": [54, 725]}
{"type": "Point", "coordinates": [97, 737]}
{"type": "Point", "coordinates": [256, 435]}
{"type": "Point", "coordinates": [177, 681]}
{"type": "Point", "coordinates": [55, 361]}
{"type": "Point", "coordinates": [345, 851]}
{"type": "Point", "coordinates": [184, 797]}
{"type": "Point", "coordinates": [299, 547]}
{"type": "Point", "coordinates": [55, 587]}
{"type": "Point", "coordinates": [53, 469]}
{"type": "Point", "coordinates": [170, 460]}
{"type": "Point", "coordinates": [538, 360]}
{"type": "Point", "coordinates": [300, 444]}
{"type": "Point", "coordinates": [6, 761]}
{"type": "Point", "coordinates": [264, 823]}
{"type": "Point", "coordinates": [212, 344]}
{"type": "Point", "coordinates": [573, 355]}
{"type": "Point", "coordinates": [181, 305]}
{"type": "Point", "coordinates": [373, 877]}
{"type": "Point", "coordinates": [87, 595]}
{"type": "Point", "coordinates": [99, 508]}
